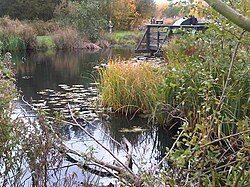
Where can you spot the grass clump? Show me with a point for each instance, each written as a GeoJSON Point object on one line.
{"type": "Point", "coordinates": [11, 43]}
{"type": "Point", "coordinates": [130, 87]}
{"type": "Point", "coordinates": [45, 43]}
{"type": "Point", "coordinates": [130, 38]}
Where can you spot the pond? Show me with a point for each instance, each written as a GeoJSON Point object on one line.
{"type": "Point", "coordinates": [56, 71]}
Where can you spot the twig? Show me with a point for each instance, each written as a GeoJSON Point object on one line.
{"type": "Point", "coordinates": [157, 166]}
{"type": "Point", "coordinates": [179, 136]}
{"type": "Point", "coordinates": [223, 95]}
{"type": "Point", "coordinates": [128, 162]}
{"type": "Point", "coordinates": [241, 172]}
{"type": "Point", "coordinates": [77, 124]}
{"type": "Point", "coordinates": [226, 137]}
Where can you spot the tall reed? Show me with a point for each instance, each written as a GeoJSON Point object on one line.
{"type": "Point", "coordinates": [130, 87]}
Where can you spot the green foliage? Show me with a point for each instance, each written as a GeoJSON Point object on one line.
{"type": "Point", "coordinates": [45, 43]}
{"type": "Point", "coordinates": [129, 88]}
{"type": "Point", "coordinates": [197, 73]}
{"type": "Point", "coordinates": [28, 9]}
{"type": "Point", "coordinates": [84, 16]}
{"type": "Point", "coordinates": [9, 137]}
{"type": "Point", "coordinates": [11, 43]}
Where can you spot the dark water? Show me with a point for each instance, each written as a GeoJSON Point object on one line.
{"type": "Point", "coordinates": [41, 71]}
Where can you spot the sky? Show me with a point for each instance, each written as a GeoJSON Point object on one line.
{"type": "Point", "coordinates": [161, 1]}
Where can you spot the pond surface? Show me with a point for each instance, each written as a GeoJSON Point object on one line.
{"type": "Point", "coordinates": [49, 71]}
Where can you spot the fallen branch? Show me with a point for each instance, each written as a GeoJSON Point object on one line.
{"type": "Point", "coordinates": [126, 171]}
{"type": "Point", "coordinates": [129, 147]}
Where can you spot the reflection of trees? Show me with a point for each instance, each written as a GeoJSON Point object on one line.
{"type": "Point", "coordinates": [163, 139]}
{"type": "Point", "coordinates": [156, 137]}
{"type": "Point", "coordinates": [49, 70]}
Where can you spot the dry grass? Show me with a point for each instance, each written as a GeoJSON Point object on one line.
{"type": "Point", "coordinates": [65, 38]}
{"type": "Point", "coordinates": [16, 28]}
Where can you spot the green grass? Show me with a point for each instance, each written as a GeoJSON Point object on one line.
{"type": "Point", "coordinates": [125, 37]}
{"type": "Point", "coordinates": [11, 43]}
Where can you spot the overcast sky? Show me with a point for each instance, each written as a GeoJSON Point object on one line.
{"type": "Point", "coordinates": [161, 1]}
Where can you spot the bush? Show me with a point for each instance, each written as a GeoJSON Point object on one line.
{"type": "Point", "coordinates": [45, 43]}
{"type": "Point", "coordinates": [83, 16]}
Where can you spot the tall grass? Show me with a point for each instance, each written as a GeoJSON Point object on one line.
{"type": "Point", "coordinates": [14, 34]}
{"type": "Point", "coordinates": [65, 38]}
{"type": "Point", "coordinates": [11, 43]}
{"type": "Point", "coordinates": [130, 87]}
{"type": "Point", "coordinates": [130, 38]}
{"type": "Point", "coordinates": [38, 35]}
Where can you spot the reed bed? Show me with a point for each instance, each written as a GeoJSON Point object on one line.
{"type": "Point", "coordinates": [130, 87]}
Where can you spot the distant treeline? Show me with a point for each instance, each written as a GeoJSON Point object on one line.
{"type": "Point", "coordinates": [28, 9]}
{"type": "Point", "coordinates": [125, 14]}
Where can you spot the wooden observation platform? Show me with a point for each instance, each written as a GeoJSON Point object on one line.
{"type": "Point", "coordinates": [157, 34]}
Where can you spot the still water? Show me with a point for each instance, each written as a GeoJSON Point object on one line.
{"type": "Point", "coordinates": [37, 71]}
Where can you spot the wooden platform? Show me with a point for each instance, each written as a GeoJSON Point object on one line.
{"type": "Point", "coordinates": [157, 34]}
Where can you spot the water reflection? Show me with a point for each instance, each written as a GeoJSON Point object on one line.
{"type": "Point", "coordinates": [47, 70]}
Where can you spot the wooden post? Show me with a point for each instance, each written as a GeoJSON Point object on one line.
{"type": "Point", "coordinates": [158, 38]}
{"type": "Point", "coordinates": [148, 38]}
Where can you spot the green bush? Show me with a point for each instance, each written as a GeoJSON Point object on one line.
{"type": "Point", "coordinates": [45, 43]}
{"type": "Point", "coordinates": [83, 16]}
{"type": "Point", "coordinates": [11, 43]}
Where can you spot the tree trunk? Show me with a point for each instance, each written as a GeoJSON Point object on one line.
{"type": "Point", "coordinates": [230, 14]}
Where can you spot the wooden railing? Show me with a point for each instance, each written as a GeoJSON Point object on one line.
{"type": "Point", "coordinates": [157, 34]}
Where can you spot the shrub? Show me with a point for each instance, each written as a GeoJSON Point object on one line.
{"type": "Point", "coordinates": [45, 43]}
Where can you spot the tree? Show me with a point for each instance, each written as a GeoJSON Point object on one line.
{"type": "Point", "coordinates": [128, 14]}
{"type": "Point", "coordinates": [83, 15]}
{"type": "Point", "coordinates": [28, 9]}
{"type": "Point", "coordinates": [230, 13]}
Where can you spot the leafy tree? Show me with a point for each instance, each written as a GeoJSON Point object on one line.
{"type": "Point", "coordinates": [128, 14]}
{"type": "Point", "coordinates": [171, 11]}
{"type": "Point", "coordinates": [83, 15]}
{"type": "Point", "coordinates": [124, 14]}
{"type": "Point", "coordinates": [145, 10]}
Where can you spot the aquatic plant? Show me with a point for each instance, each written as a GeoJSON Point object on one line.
{"type": "Point", "coordinates": [130, 87]}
